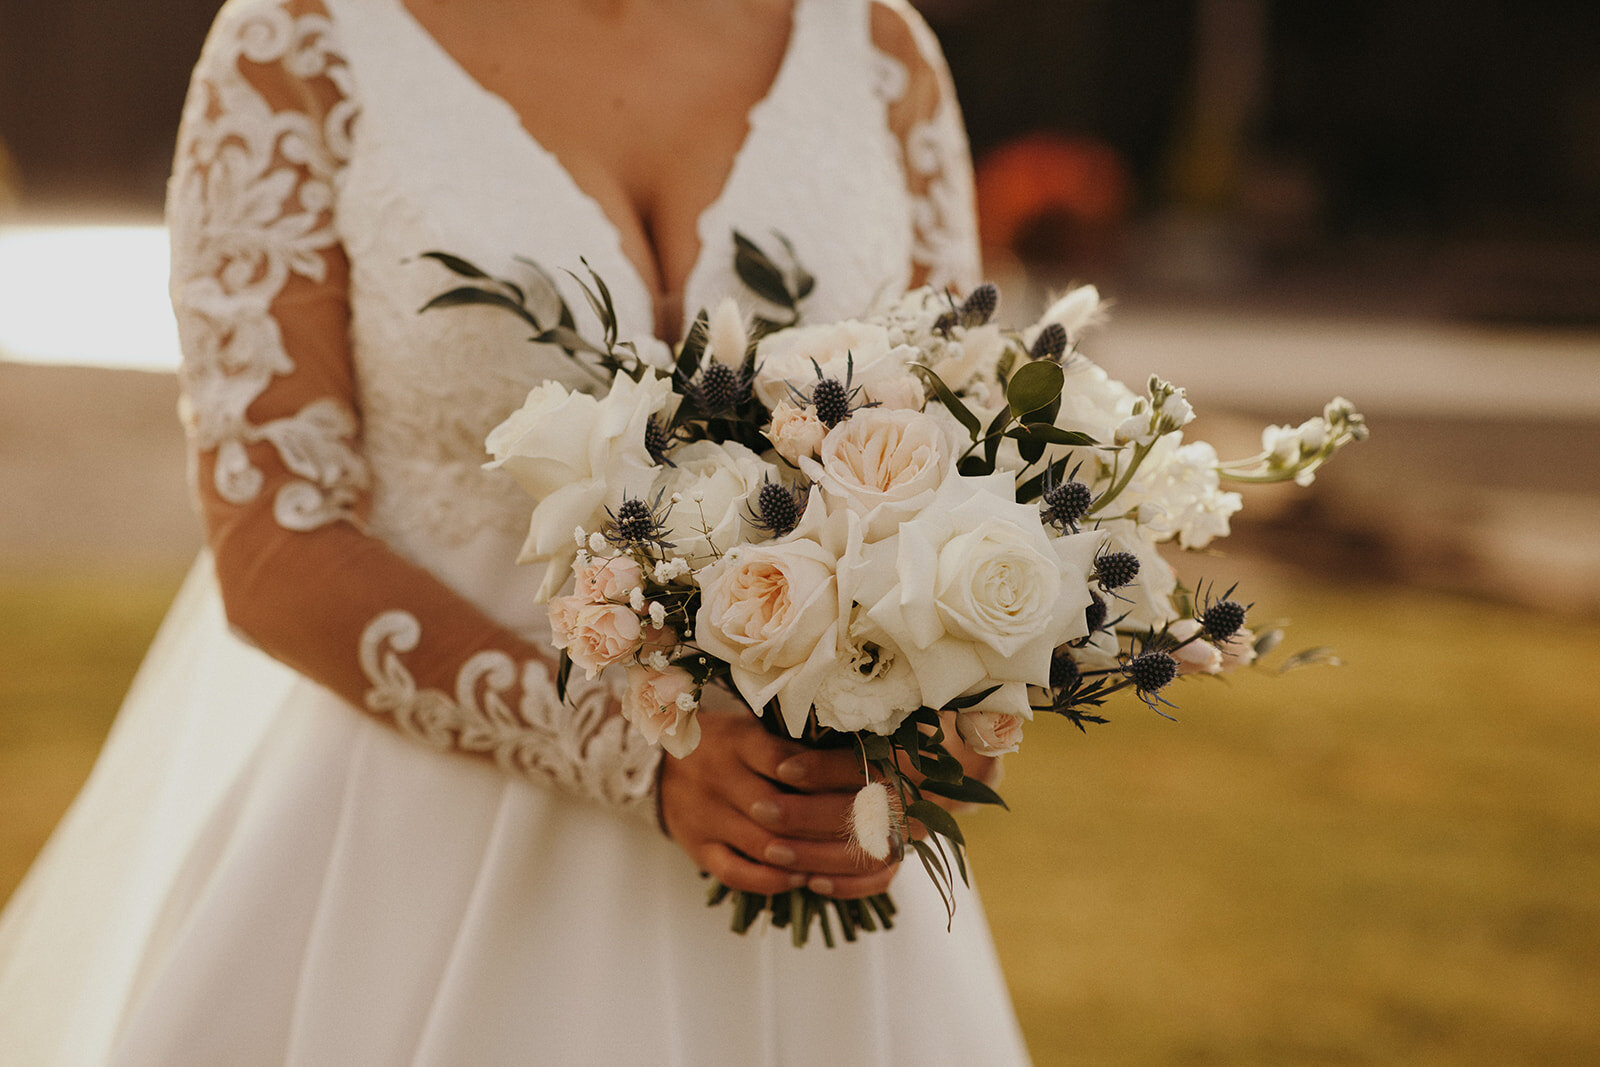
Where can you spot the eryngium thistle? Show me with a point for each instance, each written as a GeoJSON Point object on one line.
{"type": "Point", "coordinates": [1151, 671]}
{"type": "Point", "coordinates": [718, 387]}
{"type": "Point", "coordinates": [1065, 504]}
{"type": "Point", "coordinates": [1051, 342]}
{"type": "Point", "coordinates": [778, 508]}
{"type": "Point", "coordinates": [831, 399]}
{"type": "Point", "coordinates": [980, 305]}
{"type": "Point", "coordinates": [1094, 616]}
{"type": "Point", "coordinates": [658, 439]}
{"type": "Point", "coordinates": [1222, 620]}
{"type": "Point", "coordinates": [1113, 570]}
{"type": "Point", "coordinates": [635, 523]}
{"type": "Point", "coordinates": [1064, 671]}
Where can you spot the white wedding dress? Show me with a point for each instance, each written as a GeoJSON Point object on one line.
{"type": "Point", "coordinates": [406, 850]}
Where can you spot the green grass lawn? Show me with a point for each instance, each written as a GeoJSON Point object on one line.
{"type": "Point", "coordinates": [1395, 861]}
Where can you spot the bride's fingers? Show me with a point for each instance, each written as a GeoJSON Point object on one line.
{"type": "Point", "coordinates": [811, 817]}
{"type": "Point", "coordinates": [740, 872]}
{"type": "Point", "coordinates": [849, 887]}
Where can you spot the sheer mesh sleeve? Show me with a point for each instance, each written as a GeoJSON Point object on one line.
{"type": "Point", "coordinates": [259, 287]}
{"type": "Point", "coordinates": [925, 120]}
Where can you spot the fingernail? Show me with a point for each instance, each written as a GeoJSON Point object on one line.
{"type": "Point", "coordinates": [897, 845]}
{"type": "Point", "coordinates": [782, 855]}
{"type": "Point", "coordinates": [793, 770]}
{"type": "Point", "coordinates": [822, 886]}
{"type": "Point", "coordinates": [765, 811]}
{"type": "Point", "coordinates": [797, 880]}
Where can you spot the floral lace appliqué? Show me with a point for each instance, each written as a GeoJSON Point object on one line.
{"type": "Point", "coordinates": [255, 186]}
{"type": "Point", "coordinates": [583, 746]}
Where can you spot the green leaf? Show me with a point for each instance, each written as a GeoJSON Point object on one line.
{"type": "Point", "coordinates": [468, 294]}
{"type": "Point", "coordinates": [563, 673]}
{"type": "Point", "coordinates": [1034, 386]}
{"type": "Point", "coordinates": [991, 444]}
{"type": "Point", "coordinates": [571, 340]}
{"type": "Point", "coordinates": [457, 264]}
{"type": "Point", "coordinates": [971, 699]}
{"type": "Point", "coordinates": [936, 819]}
{"type": "Point", "coordinates": [967, 791]}
{"type": "Point", "coordinates": [756, 269]}
{"type": "Point", "coordinates": [1053, 435]}
{"type": "Point", "coordinates": [804, 281]}
{"type": "Point", "coordinates": [875, 747]}
{"type": "Point", "coordinates": [950, 400]}
{"type": "Point", "coordinates": [1321, 656]}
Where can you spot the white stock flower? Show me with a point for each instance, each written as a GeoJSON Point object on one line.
{"type": "Point", "coordinates": [1147, 600]}
{"type": "Point", "coordinates": [1178, 493]}
{"type": "Point", "coordinates": [1197, 657]}
{"type": "Point", "coordinates": [973, 358]}
{"type": "Point", "coordinates": [713, 484]}
{"type": "Point", "coordinates": [974, 591]}
{"type": "Point", "coordinates": [883, 465]}
{"type": "Point", "coordinates": [576, 455]}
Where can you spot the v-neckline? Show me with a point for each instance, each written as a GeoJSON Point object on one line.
{"type": "Point", "coordinates": [729, 179]}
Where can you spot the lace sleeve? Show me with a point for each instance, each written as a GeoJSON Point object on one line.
{"type": "Point", "coordinates": [925, 119]}
{"type": "Point", "coordinates": [259, 287]}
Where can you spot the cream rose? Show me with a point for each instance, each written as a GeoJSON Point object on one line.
{"type": "Point", "coordinates": [883, 465]}
{"type": "Point", "coordinates": [902, 392]}
{"type": "Point", "coordinates": [771, 611]}
{"type": "Point", "coordinates": [576, 455]}
{"type": "Point", "coordinates": [711, 485]}
{"type": "Point", "coordinates": [990, 733]}
{"type": "Point", "coordinates": [594, 635]}
{"type": "Point", "coordinates": [974, 591]}
{"type": "Point", "coordinates": [611, 580]}
{"type": "Point", "coordinates": [795, 432]}
{"type": "Point", "coordinates": [787, 361]}
{"type": "Point", "coordinates": [661, 705]}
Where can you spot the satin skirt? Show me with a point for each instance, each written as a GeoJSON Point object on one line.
{"type": "Point", "coordinates": [256, 873]}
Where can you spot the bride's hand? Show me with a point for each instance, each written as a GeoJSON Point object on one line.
{"type": "Point", "coordinates": [724, 806]}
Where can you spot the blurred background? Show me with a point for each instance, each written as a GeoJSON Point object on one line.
{"type": "Point", "coordinates": [1395, 860]}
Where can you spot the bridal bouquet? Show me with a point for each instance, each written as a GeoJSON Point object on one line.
{"type": "Point", "coordinates": [875, 532]}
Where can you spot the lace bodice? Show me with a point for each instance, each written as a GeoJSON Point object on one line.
{"type": "Point", "coordinates": [338, 434]}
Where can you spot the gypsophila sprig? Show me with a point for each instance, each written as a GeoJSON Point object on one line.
{"type": "Point", "coordinates": [890, 533]}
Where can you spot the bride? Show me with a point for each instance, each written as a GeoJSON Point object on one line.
{"type": "Point", "coordinates": [404, 848]}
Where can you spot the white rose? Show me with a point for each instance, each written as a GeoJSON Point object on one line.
{"type": "Point", "coordinates": [899, 392]}
{"type": "Point", "coordinates": [795, 431]}
{"type": "Point", "coordinates": [973, 589]}
{"type": "Point", "coordinates": [771, 612]}
{"type": "Point", "coordinates": [576, 456]}
{"type": "Point", "coordinates": [883, 465]}
{"type": "Point", "coordinates": [714, 483]}
{"type": "Point", "coordinates": [857, 352]}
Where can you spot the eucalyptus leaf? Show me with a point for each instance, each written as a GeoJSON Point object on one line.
{"type": "Point", "coordinates": [759, 273]}
{"type": "Point", "coordinates": [1320, 656]}
{"type": "Point", "coordinates": [936, 819]}
{"type": "Point", "coordinates": [1055, 435]}
{"type": "Point", "coordinates": [468, 294]}
{"type": "Point", "coordinates": [1034, 386]}
{"type": "Point", "coordinates": [457, 264]}
{"type": "Point", "coordinates": [950, 400]}
{"type": "Point", "coordinates": [967, 791]}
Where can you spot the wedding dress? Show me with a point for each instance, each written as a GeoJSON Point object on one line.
{"type": "Point", "coordinates": [405, 849]}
